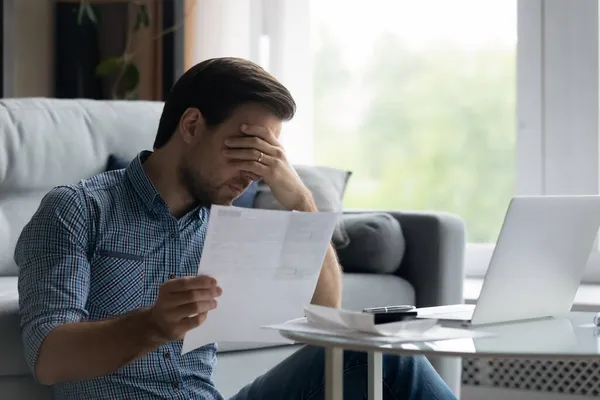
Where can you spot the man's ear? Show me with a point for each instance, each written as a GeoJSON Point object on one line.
{"type": "Point", "coordinates": [189, 123]}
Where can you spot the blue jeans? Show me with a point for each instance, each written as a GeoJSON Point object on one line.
{"type": "Point", "coordinates": [301, 377]}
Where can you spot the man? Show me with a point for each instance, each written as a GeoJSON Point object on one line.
{"type": "Point", "coordinates": [107, 267]}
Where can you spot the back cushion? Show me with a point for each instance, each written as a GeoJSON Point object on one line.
{"type": "Point", "coordinates": [49, 142]}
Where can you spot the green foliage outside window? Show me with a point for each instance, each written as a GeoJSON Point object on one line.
{"type": "Point", "coordinates": [436, 130]}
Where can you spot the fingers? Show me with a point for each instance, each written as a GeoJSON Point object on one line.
{"type": "Point", "coordinates": [254, 167]}
{"type": "Point", "coordinates": [193, 296]}
{"type": "Point", "coordinates": [255, 147]}
{"type": "Point", "coordinates": [260, 131]}
{"type": "Point", "coordinates": [183, 304]}
{"type": "Point", "coordinates": [252, 153]}
{"type": "Point", "coordinates": [174, 294]}
{"type": "Point", "coordinates": [190, 323]}
{"type": "Point", "coordinates": [249, 155]}
{"type": "Point", "coordinates": [190, 309]}
{"type": "Point", "coordinates": [251, 142]}
{"type": "Point", "coordinates": [188, 283]}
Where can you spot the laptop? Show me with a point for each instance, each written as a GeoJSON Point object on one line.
{"type": "Point", "coordinates": [537, 264]}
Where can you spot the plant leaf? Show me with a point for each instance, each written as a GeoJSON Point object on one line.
{"type": "Point", "coordinates": [131, 78]}
{"type": "Point", "coordinates": [81, 13]}
{"type": "Point", "coordinates": [132, 95]}
{"type": "Point", "coordinates": [142, 18]}
{"type": "Point", "coordinates": [91, 14]}
{"type": "Point", "coordinates": [86, 9]}
{"type": "Point", "coordinates": [110, 66]}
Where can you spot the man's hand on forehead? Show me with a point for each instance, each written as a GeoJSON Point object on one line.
{"type": "Point", "coordinates": [268, 135]}
{"type": "Point", "coordinates": [260, 153]}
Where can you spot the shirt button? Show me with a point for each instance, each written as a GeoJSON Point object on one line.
{"type": "Point", "coordinates": [173, 235]}
{"type": "Point", "coordinates": [176, 385]}
{"type": "Point", "coordinates": [167, 355]}
{"type": "Point", "coordinates": [172, 276]}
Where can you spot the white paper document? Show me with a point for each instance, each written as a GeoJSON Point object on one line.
{"type": "Point", "coordinates": [357, 321]}
{"type": "Point", "coordinates": [358, 325]}
{"type": "Point", "coordinates": [267, 262]}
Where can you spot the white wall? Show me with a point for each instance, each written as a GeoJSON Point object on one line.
{"type": "Point", "coordinates": [29, 38]}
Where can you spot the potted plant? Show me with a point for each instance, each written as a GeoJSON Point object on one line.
{"type": "Point", "coordinates": [121, 69]}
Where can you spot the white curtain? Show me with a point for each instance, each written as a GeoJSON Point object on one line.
{"type": "Point", "coordinates": [272, 33]}
{"type": "Point", "coordinates": [222, 28]}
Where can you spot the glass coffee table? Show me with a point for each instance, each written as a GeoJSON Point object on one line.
{"type": "Point", "coordinates": [572, 337]}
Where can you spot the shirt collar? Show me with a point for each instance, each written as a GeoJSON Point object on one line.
{"type": "Point", "coordinates": [146, 190]}
{"type": "Point", "coordinates": [142, 185]}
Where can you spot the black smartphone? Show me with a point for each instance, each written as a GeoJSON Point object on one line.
{"type": "Point", "coordinates": [386, 315]}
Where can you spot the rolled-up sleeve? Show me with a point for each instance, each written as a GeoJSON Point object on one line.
{"type": "Point", "coordinates": [54, 272]}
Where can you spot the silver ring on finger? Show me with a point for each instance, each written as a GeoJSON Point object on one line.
{"type": "Point", "coordinates": [260, 157]}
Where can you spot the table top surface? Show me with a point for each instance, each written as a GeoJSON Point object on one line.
{"type": "Point", "coordinates": [573, 336]}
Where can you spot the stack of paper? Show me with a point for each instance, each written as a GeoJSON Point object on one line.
{"type": "Point", "coordinates": [327, 317]}
{"type": "Point", "coordinates": [358, 325]}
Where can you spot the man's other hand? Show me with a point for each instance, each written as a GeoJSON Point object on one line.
{"type": "Point", "coordinates": [182, 305]}
{"type": "Point", "coordinates": [261, 154]}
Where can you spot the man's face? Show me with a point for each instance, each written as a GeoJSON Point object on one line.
{"type": "Point", "coordinates": [208, 175]}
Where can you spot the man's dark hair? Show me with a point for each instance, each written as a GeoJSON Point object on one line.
{"type": "Point", "coordinates": [217, 87]}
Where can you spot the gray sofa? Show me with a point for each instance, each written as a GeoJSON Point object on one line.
{"type": "Point", "coordinates": [48, 142]}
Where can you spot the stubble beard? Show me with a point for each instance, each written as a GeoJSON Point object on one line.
{"type": "Point", "coordinates": [201, 192]}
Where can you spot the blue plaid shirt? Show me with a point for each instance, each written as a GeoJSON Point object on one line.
{"type": "Point", "coordinates": [101, 248]}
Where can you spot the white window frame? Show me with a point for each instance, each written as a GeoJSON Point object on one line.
{"type": "Point", "coordinates": [287, 25]}
{"type": "Point", "coordinates": [558, 140]}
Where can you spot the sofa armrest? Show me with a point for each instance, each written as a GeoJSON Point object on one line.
{"type": "Point", "coordinates": [434, 258]}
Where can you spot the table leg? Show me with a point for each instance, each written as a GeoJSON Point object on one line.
{"type": "Point", "coordinates": [375, 375]}
{"type": "Point", "coordinates": [334, 373]}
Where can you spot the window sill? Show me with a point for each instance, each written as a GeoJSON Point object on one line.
{"type": "Point", "coordinates": [479, 255]}
{"type": "Point", "coordinates": [586, 299]}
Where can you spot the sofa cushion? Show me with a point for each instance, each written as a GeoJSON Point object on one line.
{"type": "Point", "coordinates": [16, 209]}
{"type": "Point", "coordinates": [327, 186]}
{"type": "Point", "coordinates": [50, 142]}
{"type": "Point", "coordinates": [115, 162]}
{"type": "Point", "coordinates": [375, 290]}
{"type": "Point", "coordinates": [24, 387]}
{"type": "Point", "coordinates": [6, 246]}
{"type": "Point", "coordinates": [12, 359]}
{"type": "Point", "coordinates": [248, 197]}
{"type": "Point", "coordinates": [375, 243]}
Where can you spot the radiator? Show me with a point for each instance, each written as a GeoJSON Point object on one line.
{"type": "Point", "coordinates": [574, 377]}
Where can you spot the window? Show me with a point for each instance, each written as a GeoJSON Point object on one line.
{"type": "Point", "coordinates": [417, 99]}
{"type": "Point", "coordinates": [433, 104]}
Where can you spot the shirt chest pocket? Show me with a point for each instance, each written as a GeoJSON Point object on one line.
{"type": "Point", "coordinates": [117, 282]}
